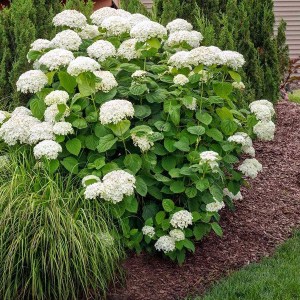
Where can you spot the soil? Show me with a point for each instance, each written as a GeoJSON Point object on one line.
{"type": "Point", "coordinates": [263, 220]}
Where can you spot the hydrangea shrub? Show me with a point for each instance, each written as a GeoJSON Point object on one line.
{"type": "Point", "coordinates": [148, 119]}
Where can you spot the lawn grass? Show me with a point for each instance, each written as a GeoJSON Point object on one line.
{"type": "Point", "coordinates": [274, 278]}
{"type": "Point", "coordinates": [295, 97]}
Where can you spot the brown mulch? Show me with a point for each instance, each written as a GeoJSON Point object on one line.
{"type": "Point", "coordinates": [263, 220]}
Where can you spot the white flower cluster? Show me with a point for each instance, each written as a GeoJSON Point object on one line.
{"type": "Point", "coordinates": [180, 79]}
{"type": "Point", "coordinates": [114, 111]}
{"type": "Point", "coordinates": [191, 106]}
{"type": "Point", "coordinates": [89, 32]}
{"type": "Point", "coordinates": [192, 38]}
{"type": "Point", "coordinates": [89, 179]}
{"type": "Point", "coordinates": [52, 111]}
{"type": "Point", "coordinates": [82, 64]}
{"type": "Point", "coordinates": [32, 81]}
{"type": "Point", "coordinates": [207, 56]}
{"type": "Point", "coordinates": [238, 85]}
{"type": "Point", "coordinates": [48, 149]}
{"type": "Point", "coordinates": [250, 167]}
{"type": "Point", "coordinates": [142, 142]}
{"type": "Point", "coordinates": [101, 14]}
{"type": "Point", "coordinates": [243, 139]}
{"type": "Point", "coordinates": [215, 206]}
{"type": "Point", "coordinates": [127, 50]}
{"type": "Point", "coordinates": [116, 26]}
{"type": "Point", "coordinates": [146, 30]}
{"type": "Point", "coordinates": [93, 190]}
{"type": "Point", "coordinates": [101, 50]}
{"type": "Point", "coordinates": [137, 18]}
{"type": "Point", "coordinates": [264, 111]}
{"type": "Point", "coordinates": [67, 39]}
{"type": "Point", "coordinates": [56, 58]}
{"type": "Point", "coordinates": [70, 18]}
{"type": "Point", "coordinates": [177, 235]}
{"type": "Point", "coordinates": [107, 83]}
{"type": "Point", "coordinates": [139, 74]}
{"type": "Point", "coordinates": [180, 59]}
{"type": "Point", "coordinates": [205, 76]}
{"type": "Point", "coordinates": [211, 158]}
{"type": "Point", "coordinates": [40, 132]}
{"type": "Point", "coordinates": [56, 97]}
{"type": "Point", "coordinates": [149, 231]}
{"type": "Point", "coordinates": [233, 59]}
{"type": "Point", "coordinates": [233, 197]}
{"type": "Point", "coordinates": [179, 24]}
{"type": "Point", "coordinates": [40, 45]}
{"type": "Point", "coordinates": [63, 128]}
{"type": "Point", "coordinates": [181, 219]}
{"type": "Point", "coordinates": [165, 243]}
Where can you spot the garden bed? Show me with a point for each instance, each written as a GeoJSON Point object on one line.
{"type": "Point", "coordinates": [262, 221]}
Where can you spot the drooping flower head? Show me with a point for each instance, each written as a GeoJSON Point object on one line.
{"type": "Point", "coordinates": [107, 83]}
{"type": "Point", "coordinates": [215, 206]}
{"type": "Point", "coordinates": [89, 179]}
{"type": "Point", "coordinates": [181, 219]}
{"type": "Point", "coordinates": [70, 18]}
{"type": "Point", "coordinates": [56, 97]}
{"type": "Point", "coordinates": [177, 235]}
{"type": "Point", "coordinates": [32, 81]}
{"type": "Point", "coordinates": [48, 149]}
{"type": "Point", "coordinates": [165, 243]}
{"type": "Point", "coordinates": [149, 231]}
{"type": "Point", "coordinates": [40, 45]}
{"type": "Point", "coordinates": [250, 167]}
{"type": "Point", "coordinates": [63, 128]}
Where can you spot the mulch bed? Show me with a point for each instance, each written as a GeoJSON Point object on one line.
{"type": "Point", "coordinates": [263, 220]}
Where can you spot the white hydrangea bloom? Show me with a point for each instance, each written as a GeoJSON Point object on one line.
{"type": "Point", "coordinates": [181, 219]}
{"type": "Point", "coordinates": [146, 30]}
{"type": "Point", "coordinates": [89, 32]}
{"type": "Point", "coordinates": [82, 64]}
{"type": "Point", "coordinates": [205, 76]}
{"type": "Point", "coordinates": [264, 102]}
{"type": "Point", "coordinates": [262, 112]}
{"type": "Point", "coordinates": [149, 231]}
{"type": "Point", "coordinates": [108, 81]}
{"type": "Point", "coordinates": [17, 128]}
{"type": "Point", "coordinates": [56, 58]}
{"type": "Point", "coordinates": [70, 18]}
{"type": "Point", "coordinates": [32, 81]}
{"type": "Point", "coordinates": [52, 111]}
{"type": "Point", "coordinates": [165, 243]}
{"type": "Point", "coordinates": [139, 74]}
{"type": "Point", "coordinates": [40, 132]}
{"type": "Point", "coordinates": [123, 13]}
{"type": "Point", "coordinates": [233, 59]}
{"type": "Point", "coordinates": [116, 26]}
{"type": "Point", "coordinates": [250, 167]}
{"type": "Point", "coordinates": [40, 45]}
{"type": "Point", "coordinates": [63, 128]}
{"type": "Point", "coordinates": [137, 18]}
{"type": "Point", "coordinates": [101, 50]}
{"type": "Point", "coordinates": [142, 142]}
{"type": "Point", "coordinates": [180, 79]}
{"type": "Point", "coordinates": [127, 50]}
{"type": "Point", "coordinates": [181, 59]}
{"type": "Point", "coordinates": [89, 179]}
{"type": "Point", "coordinates": [265, 130]}
{"type": "Point", "coordinates": [179, 24]}
{"type": "Point", "coordinates": [238, 85]}
{"type": "Point", "coordinates": [67, 39]}
{"type": "Point", "coordinates": [93, 191]}
{"type": "Point", "coordinates": [191, 106]}
{"type": "Point", "coordinates": [101, 14]}
{"type": "Point", "coordinates": [56, 97]}
{"type": "Point", "coordinates": [116, 184]}
{"type": "Point", "coordinates": [207, 56]}
{"type": "Point", "coordinates": [243, 139]}
{"type": "Point", "coordinates": [192, 38]}
{"type": "Point", "coordinates": [21, 111]}
{"type": "Point", "coordinates": [209, 156]}
{"type": "Point", "coordinates": [215, 206]}
{"type": "Point", "coordinates": [233, 197]}
{"type": "Point", "coordinates": [177, 235]}
{"type": "Point", "coordinates": [3, 116]}
{"type": "Point", "coordinates": [48, 149]}
{"type": "Point", "coordinates": [114, 111]}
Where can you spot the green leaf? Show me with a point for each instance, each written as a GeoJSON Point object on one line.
{"type": "Point", "coordinates": [222, 89]}
{"type": "Point", "coordinates": [165, 224]}
{"type": "Point", "coordinates": [100, 130]}
{"type": "Point", "coordinates": [158, 96]}
{"type": "Point", "coordinates": [129, 67]}
{"type": "Point", "coordinates": [217, 228]}
{"type": "Point", "coordinates": [120, 128]}
{"type": "Point", "coordinates": [91, 142]}
{"type": "Point", "coordinates": [191, 192]}
{"type": "Point", "coordinates": [133, 162]}
{"type": "Point", "coordinates": [71, 164]}
{"type": "Point", "coordinates": [74, 146]}
{"type": "Point", "coordinates": [53, 165]}
{"type": "Point", "coordinates": [86, 83]}
{"type": "Point", "coordinates": [160, 216]}
{"type": "Point", "coordinates": [177, 187]}
{"type": "Point", "coordinates": [80, 123]}
{"type": "Point", "coordinates": [33, 55]}
{"type": "Point", "coordinates": [215, 134]}
{"type": "Point", "coordinates": [224, 113]}
{"type": "Point", "coordinates": [168, 205]}
{"type": "Point", "coordinates": [138, 89]}
{"type": "Point", "coordinates": [106, 143]}
{"type": "Point", "coordinates": [168, 162]}
{"type": "Point", "coordinates": [196, 130]}
{"type": "Point", "coordinates": [149, 211]}
{"type": "Point", "coordinates": [216, 192]}
{"type": "Point", "coordinates": [204, 118]}
{"type": "Point", "coordinates": [37, 107]}
{"type": "Point", "coordinates": [67, 81]}
{"type": "Point", "coordinates": [181, 257]}
{"type": "Point", "coordinates": [174, 111]}
{"type": "Point", "coordinates": [182, 144]}
{"type": "Point", "coordinates": [189, 245]}
{"type": "Point", "coordinates": [229, 127]}
{"type": "Point", "coordinates": [131, 204]}
{"type": "Point", "coordinates": [169, 145]}
{"type": "Point", "coordinates": [101, 97]}
{"type": "Point", "coordinates": [142, 111]}
{"type": "Point", "coordinates": [202, 184]}
{"type": "Point", "coordinates": [200, 230]}
{"type": "Point", "coordinates": [141, 186]}
{"type": "Point", "coordinates": [235, 76]}
{"type": "Point", "coordinates": [154, 43]}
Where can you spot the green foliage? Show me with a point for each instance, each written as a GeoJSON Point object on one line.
{"type": "Point", "coordinates": [54, 244]}
{"type": "Point", "coordinates": [276, 277]}
{"type": "Point", "coordinates": [86, 7]}
{"type": "Point", "coordinates": [134, 6]}
{"type": "Point", "coordinates": [282, 49]}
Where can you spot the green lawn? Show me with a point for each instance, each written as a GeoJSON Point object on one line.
{"type": "Point", "coordinates": [275, 278]}
{"type": "Point", "coordinates": [295, 97]}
